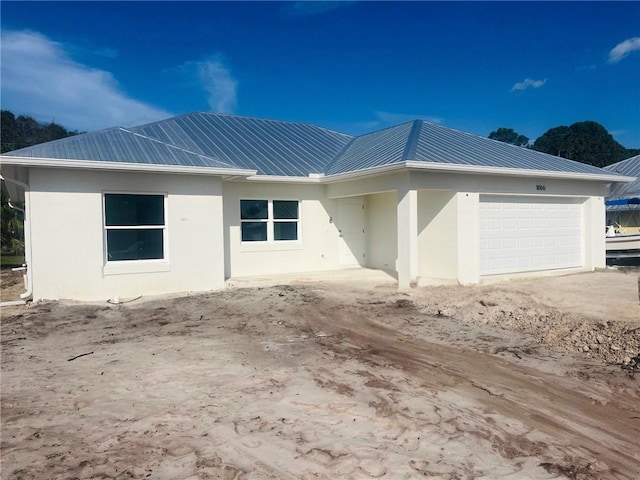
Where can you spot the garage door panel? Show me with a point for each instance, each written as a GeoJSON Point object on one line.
{"type": "Point", "coordinates": [519, 234]}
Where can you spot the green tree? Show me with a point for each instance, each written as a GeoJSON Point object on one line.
{"type": "Point", "coordinates": [8, 129]}
{"type": "Point", "coordinates": [24, 131]}
{"type": "Point", "coordinates": [586, 142]}
{"type": "Point", "coordinates": [11, 227]}
{"type": "Point", "coordinates": [508, 135]}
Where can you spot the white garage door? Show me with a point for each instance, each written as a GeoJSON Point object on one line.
{"type": "Point", "coordinates": [520, 234]}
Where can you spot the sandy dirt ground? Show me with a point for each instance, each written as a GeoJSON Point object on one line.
{"type": "Point", "coordinates": [319, 379]}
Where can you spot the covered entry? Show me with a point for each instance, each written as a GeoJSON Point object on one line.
{"type": "Point", "coordinates": [521, 234]}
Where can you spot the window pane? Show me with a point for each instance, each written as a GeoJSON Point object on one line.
{"type": "Point", "coordinates": [285, 231]}
{"type": "Point", "coordinates": [254, 231]}
{"type": "Point", "coordinates": [253, 209]}
{"type": "Point", "coordinates": [132, 210]}
{"type": "Point", "coordinates": [131, 244]}
{"type": "Point", "coordinates": [285, 209]}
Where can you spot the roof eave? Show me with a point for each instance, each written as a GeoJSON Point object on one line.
{"type": "Point", "coordinates": [312, 178]}
{"type": "Point", "coordinates": [520, 172]}
{"type": "Point", "coordinates": [123, 166]}
{"type": "Point", "coordinates": [475, 169]}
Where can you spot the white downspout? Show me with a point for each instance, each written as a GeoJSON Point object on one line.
{"type": "Point", "coordinates": [27, 235]}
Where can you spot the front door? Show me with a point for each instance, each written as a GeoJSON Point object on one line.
{"type": "Point", "coordinates": [351, 228]}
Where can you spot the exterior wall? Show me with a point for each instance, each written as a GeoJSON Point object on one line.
{"type": "Point", "coordinates": [437, 236]}
{"type": "Point", "coordinates": [318, 245]}
{"type": "Point", "coordinates": [468, 241]}
{"type": "Point", "coordinates": [68, 259]}
{"type": "Point", "coordinates": [203, 227]}
{"type": "Point", "coordinates": [593, 214]}
{"type": "Point", "coordinates": [448, 215]}
{"type": "Point", "coordinates": [382, 240]}
{"type": "Point", "coordinates": [514, 185]}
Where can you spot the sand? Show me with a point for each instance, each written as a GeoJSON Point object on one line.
{"type": "Point", "coordinates": [321, 379]}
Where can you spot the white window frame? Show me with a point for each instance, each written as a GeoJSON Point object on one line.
{"type": "Point", "coordinates": [116, 266]}
{"type": "Point", "coordinates": [271, 221]}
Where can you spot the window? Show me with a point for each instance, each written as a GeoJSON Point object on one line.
{"type": "Point", "coordinates": [269, 220]}
{"type": "Point", "coordinates": [134, 226]}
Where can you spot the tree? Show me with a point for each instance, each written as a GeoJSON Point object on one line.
{"type": "Point", "coordinates": [11, 227]}
{"type": "Point", "coordinates": [508, 135]}
{"type": "Point", "coordinates": [24, 131]}
{"type": "Point", "coordinates": [586, 142]}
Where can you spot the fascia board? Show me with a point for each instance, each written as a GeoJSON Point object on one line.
{"type": "Point", "coordinates": [123, 166]}
{"type": "Point", "coordinates": [520, 172]}
{"type": "Point", "coordinates": [282, 179]}
{"type": "Point", "coordinates": [366, 172]}
{"type": "Point", "coordinates": [475, 169]}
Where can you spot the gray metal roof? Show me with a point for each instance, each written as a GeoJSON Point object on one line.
{"type": "Point", "coordinates": [269, 146]}
{"type": "Point", "coordinates": [383, 147]}
{"type": "Point", "coordinates": [118, 145]}
{"type": "Point", "coordinates": [630, 168]}
{"type": "Point", "coordinates": [294, 149]}
{"type": "Point", "coordinates": [428, 142]}
{"type": "Point", "coordinates": [446, 145]}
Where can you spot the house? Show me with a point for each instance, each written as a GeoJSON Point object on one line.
{"type": "Point", "coordinates": [185, 203]}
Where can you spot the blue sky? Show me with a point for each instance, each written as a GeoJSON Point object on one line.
{"type": "Point", "coordinates": [350, 66]}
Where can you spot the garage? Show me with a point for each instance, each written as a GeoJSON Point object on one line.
{"type": "Point", "coordinates": [521, 234]}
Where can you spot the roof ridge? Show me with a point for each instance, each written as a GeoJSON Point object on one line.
{"type": "Point", "coordinates": [170, 145]}
{"type": "Point", "coordinates": [344, 150]}
{"type": "Point", "coordinates": [273, 120]}
{"type": "Point", "coordinates": [412, 140]}
{"type": "Point", "coordinates": [339, 155]}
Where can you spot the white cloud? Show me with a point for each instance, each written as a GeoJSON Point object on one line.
{"type": "Point", "coordinates": [528, 83]}
{"type": "Point", "coordinates": [623, 49]}
{"type": "Point", "coordinates": [40, 79]}
{"type": "Point", "coordinates": [218, 82]}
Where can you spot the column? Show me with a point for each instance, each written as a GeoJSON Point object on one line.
{"type": "Point", "coordinates": [407, 209]}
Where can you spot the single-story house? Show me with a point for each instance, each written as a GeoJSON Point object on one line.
{"type": "Point", "coordinates": [186, 203]}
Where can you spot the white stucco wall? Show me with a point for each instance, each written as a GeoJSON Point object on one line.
{"type": "Point", "coordinates": [203, 225]}
{"type": "Point", "coordinates": [316, 249]}
{"type": "Point", "coordinates": [382, 241]}
{"type": "Point", "coordinates": [448, 216]}
{"type": "Point", "coordinates": [594, 213]}
{"type": "Point", "coordinates": [68, 258]}
{"type": "Point", "coordinates": [437, 236]}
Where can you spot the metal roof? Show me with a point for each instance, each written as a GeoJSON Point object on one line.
{"type": "Point", "coordinates": [269, 146]}
{"type": "Point", "coordinates": [447, 145]}
{"type": "Point", "coordinates": [118, 145]}
{"type": "Point", "coordinates": [273, 147]}
{"type": "Point", "coordinates": [421, 141]}
{"type": "Point", "coordinates": [383, 147]}
{"type": "Point", "coordinates": [630, 168]}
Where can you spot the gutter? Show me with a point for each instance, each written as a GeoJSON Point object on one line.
{"type": "Point", "coordinates": [28, 295]}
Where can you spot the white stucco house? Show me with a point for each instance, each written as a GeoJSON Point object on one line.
{"type": "Point", "coordinates": [186, 203]}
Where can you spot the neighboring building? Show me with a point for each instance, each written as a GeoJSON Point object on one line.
{"type": "Point", "coordinates": [186, 203]}
{"type": "Point", "coordinates": [623, 201]}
